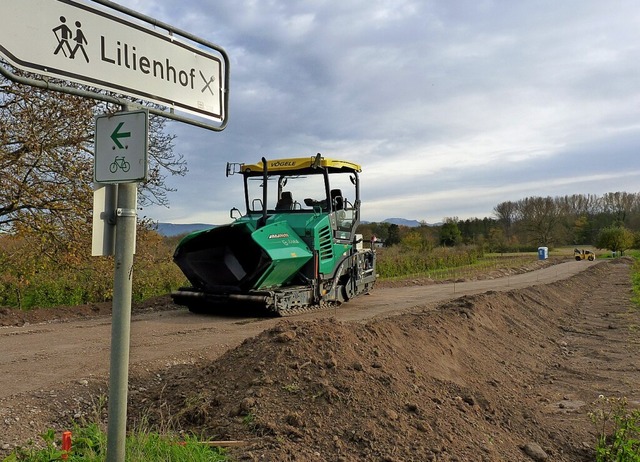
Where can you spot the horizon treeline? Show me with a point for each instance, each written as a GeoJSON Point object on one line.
{"type": "Point", "coordinates": [525, 224]}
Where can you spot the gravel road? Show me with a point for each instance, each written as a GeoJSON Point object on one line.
{"type": "Point", "coordinates": [48, 355]}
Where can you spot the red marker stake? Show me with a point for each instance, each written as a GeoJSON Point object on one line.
{"type": "Point", "coordinates": [66, 445]}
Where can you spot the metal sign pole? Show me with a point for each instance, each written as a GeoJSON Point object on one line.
{"type": "Point", "coordinates": [121, 320]}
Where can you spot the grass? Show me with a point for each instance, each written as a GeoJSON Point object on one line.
{"type": "Point", "coordinates": [455, 270]}
{"type": "Point", "coordinates": [618, 430]}
{"type": "Point", "coordinates": [635, 279]}
{"type": "Point", "coordinates": [618, 427]}
{"type": "Point", "coordinates": [89, 444]}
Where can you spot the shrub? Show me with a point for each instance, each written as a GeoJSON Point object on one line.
{"type": "Point", "coordinates": [618, 430]}
{"type": "Point", "coordinates": [31, 277]}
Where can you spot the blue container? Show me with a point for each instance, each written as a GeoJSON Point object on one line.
{"type": "Point", "coordinates": [543, 253]}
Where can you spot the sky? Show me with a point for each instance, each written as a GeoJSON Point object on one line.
{"type": "Point", "coordinates": [450, 106]}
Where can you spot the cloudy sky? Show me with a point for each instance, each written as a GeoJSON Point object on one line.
{"type": "Point", "coordinates": [450, 106]}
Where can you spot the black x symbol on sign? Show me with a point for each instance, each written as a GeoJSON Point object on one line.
{"type": "Point", "coordinates": [207, 83]}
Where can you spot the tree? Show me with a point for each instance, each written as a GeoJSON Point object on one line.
{"type": "Point", "coordinates": [619, 205]}
{"type": "Point", "coordinates": [450, 234]}
{"type": "Point", "coordinates": [497, 240]}
{"type": "Point", "coordinates": [540, 218]}
{"type": "Point", "coordinates": [636, 240]}
{"type": "Point", "coordinates": [581, 230]}
{"type": "Point", "coordinates": [44, 157]}
{"type": "Point", "coordinates": [475, 230]}
{"type": "Point", "coordinates": [507, 214]}
{"type": "Point", "coordinates": [46, 161]}
{"type": "Point", "coordinates": [393, 236]}
{"type": "Point", "coordinates": [417, 240]}
{"type": "Point", "coordinates": [615, 238]}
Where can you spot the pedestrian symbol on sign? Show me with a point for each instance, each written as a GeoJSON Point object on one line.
{"type": "Point", "coordinates": [64, 34]}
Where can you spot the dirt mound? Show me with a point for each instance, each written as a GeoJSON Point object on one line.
{"type": "Point", "coordinates": [497, 376]}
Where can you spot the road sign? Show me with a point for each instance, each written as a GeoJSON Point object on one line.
{"type": "Point", "coordinates": [74, 40]}
{"type": "Point", "coordinates": [121, 146]}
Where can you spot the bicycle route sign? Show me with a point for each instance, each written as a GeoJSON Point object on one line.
{"type": "Point", "coordinates": [121, 145]}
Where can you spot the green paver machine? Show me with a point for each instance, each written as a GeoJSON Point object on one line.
{"type": "Point", "coordinates": [294, 249]}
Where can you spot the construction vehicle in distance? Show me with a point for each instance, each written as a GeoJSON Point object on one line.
{"type": "Point", "coordinates": [294, 249]}
{"type": "Point", "coordinates": [581, 254]}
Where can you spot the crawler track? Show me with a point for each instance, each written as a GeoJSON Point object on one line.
{"type": "Point", "coordinates": [307, 309]}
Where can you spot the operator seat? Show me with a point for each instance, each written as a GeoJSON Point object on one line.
{"type": "Point", "coordinates": [285, 202]}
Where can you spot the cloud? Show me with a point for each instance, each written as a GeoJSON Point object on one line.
{"type": "Point", "coordinates": [450, 107]}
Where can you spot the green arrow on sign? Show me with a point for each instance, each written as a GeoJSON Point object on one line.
{"type": "Point", "coordinates": [115, 136]}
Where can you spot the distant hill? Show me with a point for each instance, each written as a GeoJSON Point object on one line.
{"type": "Point", "coordinates": [402, 222]}
{"type": "Point", "coordinates": [171, 229]}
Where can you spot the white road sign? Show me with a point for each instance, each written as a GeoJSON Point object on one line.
{"type": "Point", "coordinates": [75, 40]}
{"type": "Point", "coordinates": [121, 146]}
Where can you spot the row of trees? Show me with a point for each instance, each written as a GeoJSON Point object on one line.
{"type": "Point", "coordinates": [46, 198]}
{"type": "Point", "coordinates": [577, 219]}
{"type": "Point", "coordinates": [609, 221]}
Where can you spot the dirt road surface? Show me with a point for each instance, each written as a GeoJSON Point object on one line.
{"type": "Point", "coordinates": [54, 353]}
{"type": "Point", "coordinates": [502, 369]}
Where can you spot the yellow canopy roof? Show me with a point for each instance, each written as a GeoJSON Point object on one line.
{"type": "Point", "coordinates": [300, 163]}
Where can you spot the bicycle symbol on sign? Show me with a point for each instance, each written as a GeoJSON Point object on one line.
{"type": "Point", "coordinates": [119, 163]}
